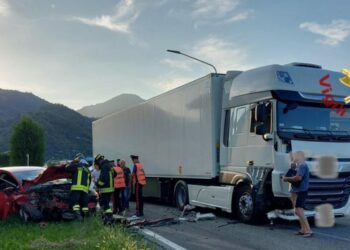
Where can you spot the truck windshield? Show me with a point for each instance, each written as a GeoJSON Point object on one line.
{"type": "Point", "coordinates": [312, 122]}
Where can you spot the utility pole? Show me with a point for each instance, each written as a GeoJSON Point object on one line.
{"type": "Point", "coordinates": [27, 156]}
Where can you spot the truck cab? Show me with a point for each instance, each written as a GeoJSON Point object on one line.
{"type": "Point", "coordinates": [271, 111]}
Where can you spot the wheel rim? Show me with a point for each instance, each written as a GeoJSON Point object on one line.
{"type": "Point", "coordinates": [246, 204]}
{"type": "Point", "coordinates": [181, 197]}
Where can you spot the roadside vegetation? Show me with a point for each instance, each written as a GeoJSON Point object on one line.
{"type": "Point", "coordinates": [27, 141]}
{"type": "Point", "coordinates": [90, 234]}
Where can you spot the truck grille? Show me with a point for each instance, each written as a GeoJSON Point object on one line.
{"type": "Point", "coordinates": [333, 191]}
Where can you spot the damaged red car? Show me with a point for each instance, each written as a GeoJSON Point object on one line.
{"type": "Point", "coordinates": [37, 193]}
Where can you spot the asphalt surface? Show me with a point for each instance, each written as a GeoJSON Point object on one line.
{"type": "Point", "coordinates": [224, 233]}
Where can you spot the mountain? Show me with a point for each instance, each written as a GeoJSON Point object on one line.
{"type": "Point", "coordinates": [14, 103]}
{"type": "Point", "coordinates": [113, 105]}
{"type": "Point", "coordinates": [66, 131]}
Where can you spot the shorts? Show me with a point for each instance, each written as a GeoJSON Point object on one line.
{"type": "Point", "coordinates": [301, 199]}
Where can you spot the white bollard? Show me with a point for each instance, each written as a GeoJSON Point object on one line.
{"type": "Point", "coordinates": [324, 215]}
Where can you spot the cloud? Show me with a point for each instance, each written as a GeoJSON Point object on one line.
{"type": "Point", "coordinates": [166, 83]}
{"type": "Point", "coordinates": [240, 16]}
{"type": "Point", "coordinates": [121, 21]}
{"type": "Point", "coordinates": [223, 54]}
{"type": "Point", "coordinates": [4, 8]}
{"type": "Point", "coordinates": [213, 8]}
{"type": "Point", "coordinates": [334, 33]}
{"type": "Point", "coordinates": [212, 11]}
{"type": "Point", "coordinates": [178, 64]}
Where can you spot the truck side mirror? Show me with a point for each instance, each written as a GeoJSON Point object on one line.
{"type": "Point", "coordinates": [261, 113]}
{"type": "Point", "coordinates": [260, 129]}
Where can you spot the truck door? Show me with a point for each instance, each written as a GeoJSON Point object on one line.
{"type": "Point", "coordinates": [241, 146]}
{"type": "Point", "coordinates": [259, 150]}
{"type": "Point", "coordinates": [234, 139]}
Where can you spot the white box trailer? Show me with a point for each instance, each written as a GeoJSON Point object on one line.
{"type": "Point", "coordinates": [175, 134]}
{"type": "Point", "coordinates": [224, 140]}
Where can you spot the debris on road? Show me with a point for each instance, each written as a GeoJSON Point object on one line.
{"type": "Point", "coordinates": [207, 216]}
{"type": "Point", "coordinates": [287, 214]}
{"type": "Point", "coordinates": [154, 223]}
{"type": "Point", "coordinates": [140, 222]}
{"type": "Point", "coordinates": [186, 208]}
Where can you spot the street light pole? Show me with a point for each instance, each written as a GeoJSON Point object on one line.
{"type": "Point", "coordinates": [180, 53]}
{"type": "Point", "coordinates": [27, 157]}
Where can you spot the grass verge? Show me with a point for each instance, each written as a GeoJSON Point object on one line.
{"type": "Point", "coordinates": [90, 234]}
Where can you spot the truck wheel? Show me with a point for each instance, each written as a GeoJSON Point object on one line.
{"type": "Point", "coordinates": [181, 195]}
{"type": "Point", "coordinates": [245, 206]}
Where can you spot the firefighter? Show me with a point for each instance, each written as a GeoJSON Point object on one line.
{"type": "Point", "coordinates": [119, 185]}
{"type": "Point", "coordinates": [139, 180]}
{"type": "Point", "coordinates": [81, 180]}
{"type": "Point", "coordinates": [105, 186]}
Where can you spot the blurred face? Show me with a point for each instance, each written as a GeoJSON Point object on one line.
{"type": "Point", "coordinates": [96, 166]}
{"type": "Point", "coordinates": [299, 157]}
{"type": "Point", "coordinates": [122, 164]}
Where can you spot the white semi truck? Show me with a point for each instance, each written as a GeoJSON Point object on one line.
{"type": "Point", "coordinates": [224, 141]}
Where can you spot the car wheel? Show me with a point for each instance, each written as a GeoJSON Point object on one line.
{"type": "Point", "coordinates": [30, 213]}
{"type": "Point", "coordinates": [24, 215]}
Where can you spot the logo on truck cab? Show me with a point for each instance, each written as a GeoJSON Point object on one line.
{"type": "Point", "coordinates": [346, 81]}
{"type": "Point", "coordinates": [329, 100]}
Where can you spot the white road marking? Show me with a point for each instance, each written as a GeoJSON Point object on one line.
{"type": "Point", "coordinates": [161, 239]}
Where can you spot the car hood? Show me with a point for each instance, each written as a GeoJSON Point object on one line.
{"type": "Point", "coordinates": [50, 174]}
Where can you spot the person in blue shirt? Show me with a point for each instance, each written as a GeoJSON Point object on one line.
{"type": "Point", "coordinates": [301, 179]}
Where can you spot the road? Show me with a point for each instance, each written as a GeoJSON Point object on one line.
{"type": "Point", "coordinates": [224, 233]}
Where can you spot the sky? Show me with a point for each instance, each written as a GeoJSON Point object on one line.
{"type": "Point", "coordinates": [82, 52]}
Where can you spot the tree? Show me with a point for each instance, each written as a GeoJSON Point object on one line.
{"type": "Point", "coordinates": [4, 159]}
{"type": "Point", "coordinates": [27, 138]}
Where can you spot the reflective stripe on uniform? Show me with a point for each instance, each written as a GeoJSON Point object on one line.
{"type": "Point", "coordinates": [80, 174]}
{"type": "Point", "coordinates": [111, 178]}
{"type": "Point", "coordinates": [79, 188]}
{"type": "Point", "coordinates": [108, 211]}
{"type": "Point", "coordinates": [85, 209]}
{"type": "Point", "coordinates": [106, 190]}
{"type": "Point", "coordinates": [76, 207]}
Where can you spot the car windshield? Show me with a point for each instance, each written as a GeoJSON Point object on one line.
{"type": "Point", "coordinates": [311, 119]}
{"type": "Point", "coordinates": [28, 174]}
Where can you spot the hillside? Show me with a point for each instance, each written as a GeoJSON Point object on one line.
{"type": "Point", "coordinates": [14, 103]}
{"type": "Point", "coordinates": [113, 105]}
{"type": "Point", "coordinates": [66, 131]}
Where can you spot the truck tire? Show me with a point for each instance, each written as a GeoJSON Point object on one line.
{"type": "Point", "coordinates": [246, 206]}
{"type": "Point", "coordinates": [181, 195]}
